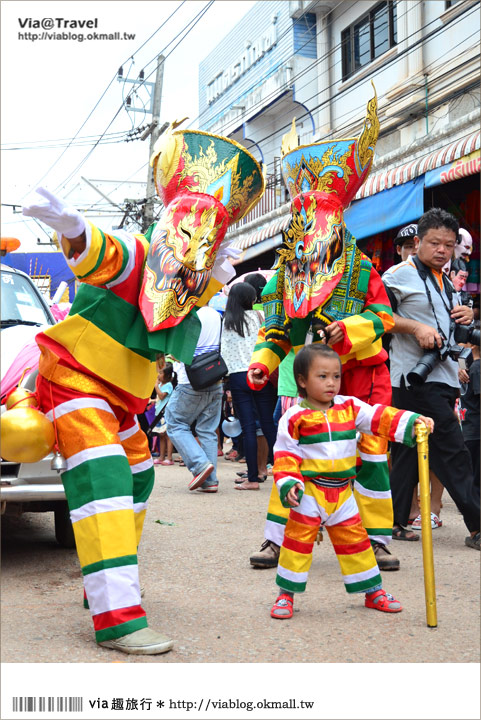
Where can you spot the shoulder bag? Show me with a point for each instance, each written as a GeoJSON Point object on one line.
{"type": "Point", "coordinates": [206, 369]}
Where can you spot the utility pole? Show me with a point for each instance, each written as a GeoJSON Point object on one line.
{"type": "Point", "coordinates": [148, 209]}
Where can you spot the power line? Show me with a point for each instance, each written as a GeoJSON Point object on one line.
{"type": "Point", "coordinates": [243, 116]}
{"type": "Point", "coordinates": [98, 103]}
{"type": "Point", "coordinates": [339, 130]}
{"type": "Point", "coordinates": [193, 23]}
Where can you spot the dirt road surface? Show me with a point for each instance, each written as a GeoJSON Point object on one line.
{"type": "Point", "coordinates": [201, 590]}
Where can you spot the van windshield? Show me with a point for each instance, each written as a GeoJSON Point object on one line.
{"type": "Point", "coordinates": [21, 303]}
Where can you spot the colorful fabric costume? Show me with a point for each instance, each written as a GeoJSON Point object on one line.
{"type": "Point", "coordinates": [137, 297]}
{"type": "Point", "coordinates": [318, 450]}
{"type": "Point", "coordinates": [322, 278]}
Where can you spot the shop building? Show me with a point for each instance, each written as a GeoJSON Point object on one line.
{"type": "Point", "coordinates": [315, 61]}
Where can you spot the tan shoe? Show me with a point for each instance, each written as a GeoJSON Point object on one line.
{"type": "Point", "coordinates": [140, 642]}
{"type": "Point", "coordinates": [267, 557]}
{"type": "Point", "coordinates": [384, 558]}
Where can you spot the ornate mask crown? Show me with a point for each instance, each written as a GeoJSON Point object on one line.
{"type": "Point", "coordinates": [206, 183]}
{"type": "Point", "coordinates": [322, 179]}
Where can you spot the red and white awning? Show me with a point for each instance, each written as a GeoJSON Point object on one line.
{"type": "Point", "coordinates": [404, 173]}
{"type": "Point", "coordinates": [273, 228]}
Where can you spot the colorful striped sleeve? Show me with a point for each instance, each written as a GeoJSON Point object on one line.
{"type": "Point", "coordinates": [362, 330]}
{"type": "Point", "coordinates": [386, 421]}
{"type": "Point", "coordinates": [287, 456]}
{"type": "Point", "coordinates": [269, 354]}
{"type": "Point", "coordinates": [106, 258]}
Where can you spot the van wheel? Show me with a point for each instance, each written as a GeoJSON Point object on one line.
{"type": "Point", "coordinates": [63, 526]}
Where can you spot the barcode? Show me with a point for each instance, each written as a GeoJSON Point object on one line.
{"type": "Point", "coordinates": [47, 704]}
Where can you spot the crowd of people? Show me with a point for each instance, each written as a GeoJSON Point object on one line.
{"type": "Point", "coordinates": [312, 393]}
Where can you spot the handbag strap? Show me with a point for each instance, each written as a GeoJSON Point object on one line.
{"type": "Point", "coordinates": [220, 334]}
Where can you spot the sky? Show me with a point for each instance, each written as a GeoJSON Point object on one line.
{"type": "Point", "coordinates": [50, 87]}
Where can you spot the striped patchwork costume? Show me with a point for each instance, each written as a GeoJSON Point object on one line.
{"type": "Point", "coordinates": [318, 450]}
{"type": "Point", "coordinates": [360, 305]}
{"type": "Point", "coordinates": [93, 383]}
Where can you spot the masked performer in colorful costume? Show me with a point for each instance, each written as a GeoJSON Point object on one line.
{"type": "Point", "coordinates": [137, 298]}
{"type": "Point", "coordinates": [325, 289]}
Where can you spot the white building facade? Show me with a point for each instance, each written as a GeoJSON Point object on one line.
{"type": "Point", "coordinates": [315, 60]}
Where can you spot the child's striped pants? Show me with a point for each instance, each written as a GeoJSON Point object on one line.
{"type": "Point", "coordinates": [108, 480]}
{"type": "Point", "coordinates": [336, 508]}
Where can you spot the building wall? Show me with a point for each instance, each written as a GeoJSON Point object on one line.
{"type": "Point", "coordinates": [435, 61]}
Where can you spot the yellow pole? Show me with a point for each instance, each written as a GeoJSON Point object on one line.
{"type": "Point", "coordinates": [426, 530]}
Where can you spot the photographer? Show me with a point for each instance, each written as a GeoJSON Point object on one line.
{"type": "Point", "coordinates": [424, 371]}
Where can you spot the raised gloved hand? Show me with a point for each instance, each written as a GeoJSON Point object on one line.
{"type": "Point", "coordinates": [55, 213]}
{"type": "Point", "coordinates": [223, 270]}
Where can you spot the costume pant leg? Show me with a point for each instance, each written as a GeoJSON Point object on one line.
{"type": "Point", "coordinates": [337, 509]}
{"type": "Point", "coordinates": [107, 491]}
{"type": "Point", "coordinates": [296, 552]}
{"type": "Point", "coordinates": [276, 519]}
{"type": "Point", "coordinates": [136, 446]}
{"type": "Point", "coordinates": [351, 542]}
{"type": "Point", "coordinates": [277, 514]}
{"type": "Point", "coordinates": [372, 489]}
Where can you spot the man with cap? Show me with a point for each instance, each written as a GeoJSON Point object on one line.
{"type": "Point", "coordinates": [405, 241]}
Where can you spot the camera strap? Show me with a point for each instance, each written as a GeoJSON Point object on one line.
{"type": "Point", "coordinates": [424, 273]}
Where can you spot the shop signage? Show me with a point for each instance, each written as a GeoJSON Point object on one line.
{"type": "Point", "coordinates": [253, 52]}
{"type": "Point", "coordinates": [464, 166]}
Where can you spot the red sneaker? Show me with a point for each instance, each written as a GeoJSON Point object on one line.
{"type": "Point", "coordinates": [383, 601]}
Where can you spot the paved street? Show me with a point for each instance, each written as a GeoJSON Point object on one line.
{"type": "Point", "coordinates": [201, 590]}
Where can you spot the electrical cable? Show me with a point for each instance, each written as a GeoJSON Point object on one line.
{"type": "Point", "coordinates": [80, 165]}
{"type": "Point", "coordinates": [97, 104]}
{"type": "Point", "coordinates": [407, 51]}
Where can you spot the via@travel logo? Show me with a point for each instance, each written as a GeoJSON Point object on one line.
{"type": "Point", "coordinates": [56, 23]}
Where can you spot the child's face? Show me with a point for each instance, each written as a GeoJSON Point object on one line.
{"type": "Point", "coordinates": [323, 381]}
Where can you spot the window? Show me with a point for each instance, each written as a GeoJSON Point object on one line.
{"type": "Point", "coordinates": [368, 38]}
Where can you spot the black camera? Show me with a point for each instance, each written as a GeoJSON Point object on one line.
{"type": "Point", "coordinates": [463, 334]}
{"type": "Point", "coordinates": [464, 356]}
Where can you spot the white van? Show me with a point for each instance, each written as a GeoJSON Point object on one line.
{"type": "Point", "coordinates": [28, 487]}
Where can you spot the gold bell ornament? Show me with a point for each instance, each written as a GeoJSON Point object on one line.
{"type": "Point", "coordinates": [27, 435]}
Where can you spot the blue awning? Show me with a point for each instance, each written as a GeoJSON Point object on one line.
{"type": "Point", "coordinates": [385, 210]}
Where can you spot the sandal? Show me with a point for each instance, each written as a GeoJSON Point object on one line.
{"type": "Point", "coordinates": [383, 601]}
{"type": "Point", "coordinates": [472, 542]}
{"type": "Point", "coordinates": [283, 607]}
{"type": "Point", "coordinates": [435, 522]}
{"type": "Point", "coordinates": [401, 533]}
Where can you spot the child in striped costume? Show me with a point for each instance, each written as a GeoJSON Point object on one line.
{"type": "Point", "coordinates": [314, 465]}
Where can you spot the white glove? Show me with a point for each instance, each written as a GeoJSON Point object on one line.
{"type": "Point", "coordinates": [223, 270]}
{"type": "Point", "coordinates": [55, 213]}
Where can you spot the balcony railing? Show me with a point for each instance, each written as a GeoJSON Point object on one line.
{"type": "Point", "coordinates": [274, 196]}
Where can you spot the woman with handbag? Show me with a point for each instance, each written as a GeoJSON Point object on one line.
{"type": "Point", "coordinates": [239, 336]}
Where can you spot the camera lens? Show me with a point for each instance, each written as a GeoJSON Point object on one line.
{"type": "Point", "coordinates": [419, 373]}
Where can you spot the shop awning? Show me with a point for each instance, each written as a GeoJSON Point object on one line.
{"type": "Point", "coordinates": [268, 231]}
{"type": "Point", "coordinates": [409, 171]}
{"type": "Point", "coordinates": [464, 166]}
{"type": "Point", "coordinates": [387, 209]}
